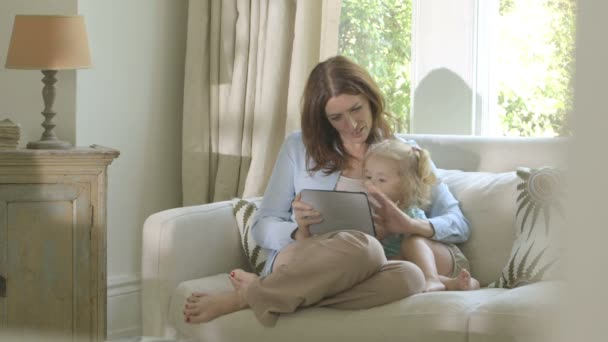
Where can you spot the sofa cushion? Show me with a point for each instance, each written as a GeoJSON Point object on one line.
{"type": "Point", "coordinates": [488, 202]}
{"type": "Point", "coordinates": [438, 316]}
{"type": "Point", "coordinates": [526, 313]}
{"type": "Point", "coordinates": [539, 221]}
{"type": "Point", "coordinates": [244, 212]}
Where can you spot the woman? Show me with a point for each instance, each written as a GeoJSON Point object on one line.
{"type": "Point", "coordinates": [342, 114]}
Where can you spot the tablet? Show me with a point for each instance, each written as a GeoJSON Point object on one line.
{"type": "Point", "coordinates": [341, 210]}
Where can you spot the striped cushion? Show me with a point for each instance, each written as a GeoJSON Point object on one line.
{"type": "Point", "coordinates": [244, 212]}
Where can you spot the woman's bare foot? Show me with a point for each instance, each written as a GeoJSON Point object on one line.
{"type": "Point", "coordinates": [203, 307]}
{"type": "Point", "coordinates": [241, 279]}
{"type": "Point", "coordinates": [433, 285]}
{"type": "Point", "coordinates": [463, 282]}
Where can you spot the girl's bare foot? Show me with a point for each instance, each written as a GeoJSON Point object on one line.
{"type": "Point", "coordinates": [463, 282]}
{"type": "Point", "coordinates": [203, 307]}
{"type": "Point", "coordinates": [433, 285]}
{"type": "Point", "coordinates": [241, 279]}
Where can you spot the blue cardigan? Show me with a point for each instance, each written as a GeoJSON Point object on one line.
{"type": "Point", "coordinates": [274, 221]}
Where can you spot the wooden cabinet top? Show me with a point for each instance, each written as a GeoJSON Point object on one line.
{"type": "Point", "coordinates": [93, 155]}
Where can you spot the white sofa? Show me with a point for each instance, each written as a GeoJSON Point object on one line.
{"type": "Point", "coordinates": [193, 249]}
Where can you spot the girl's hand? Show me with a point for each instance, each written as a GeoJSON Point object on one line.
{"type": "Point", "coordinates": [386, 214]}
{"type": "Point", "coordinates": [305, 215]}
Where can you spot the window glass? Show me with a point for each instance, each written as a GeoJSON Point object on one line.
{"type": "Point", "coordinates": [377, 35]}
{"type": "Point", "coordinates": [535, 61]}
{"type": "Point", "coordinates": [532, 53]}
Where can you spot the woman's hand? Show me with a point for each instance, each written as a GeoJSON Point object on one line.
{"type": "Point", "coordinates": [305, 215]}
{"type": "Point", "coordinates": [391, 219]}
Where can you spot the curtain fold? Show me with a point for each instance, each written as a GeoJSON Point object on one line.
{"type": "Point", "coordinates": [246, 64]}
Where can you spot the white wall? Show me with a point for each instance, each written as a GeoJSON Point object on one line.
{"type": "Point", "coordinates": [21, 90]}
{"type": "Point", "coordinates": [131, 100]}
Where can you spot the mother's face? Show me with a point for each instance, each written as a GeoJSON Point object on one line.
{"type": "Point", "coordinates": [351, 116]}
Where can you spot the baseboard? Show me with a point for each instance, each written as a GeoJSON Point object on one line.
{"type": "Point", "coordinates": [121, 334]}
{"type": "Point", "coordinates": [123, 284]}
{"type": "Point", "coordinates": [124, 317]}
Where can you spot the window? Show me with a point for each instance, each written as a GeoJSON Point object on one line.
{"type": "Point", "coordinates": [377, 35]}
{"type": "Point", "coordinates": [485, 67]}
{"type": "Point", "coordinates": [535, 66]}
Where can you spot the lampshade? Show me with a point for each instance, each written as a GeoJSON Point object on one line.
{"type": "Point", "coordinates": [48, 42]}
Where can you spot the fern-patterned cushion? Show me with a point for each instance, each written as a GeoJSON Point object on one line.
{"type": "Point", "coordinates": [539, 220]}
{"type": "Point", "coordinates": [244, 212]}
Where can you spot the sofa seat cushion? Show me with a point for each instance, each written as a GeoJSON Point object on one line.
{"type": "Point", "coordinates": [520, 314]}
{"type": "Point", "coordinates": [439, 316]}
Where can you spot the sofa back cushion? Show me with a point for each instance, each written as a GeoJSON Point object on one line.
{"type": "Point", "coordinates": [492, 154]}
{"type": "Point", "coordinates": [488, 201]}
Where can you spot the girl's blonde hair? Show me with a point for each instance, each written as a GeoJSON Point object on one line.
{"type": "Point", "coordinates": [415, 170]}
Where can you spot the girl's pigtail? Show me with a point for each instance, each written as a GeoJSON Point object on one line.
{"type": "Point", "coordinates": [425, 168]}
{"type": "Point", "coordinates": [426, 177]}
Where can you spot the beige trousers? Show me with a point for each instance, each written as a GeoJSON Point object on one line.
{"type": "Point", "coordinates": [343, 270]}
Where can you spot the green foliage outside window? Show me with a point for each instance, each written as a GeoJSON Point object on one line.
{"type": "Point", "coordinates": [377, 35]}
{"type": "Point", "coordinates": [537, 57]}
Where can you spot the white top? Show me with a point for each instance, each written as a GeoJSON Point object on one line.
{"type": "Point", "coordinates": [350, 184]}
{"type": "Point", "coordinates": [354, 185]}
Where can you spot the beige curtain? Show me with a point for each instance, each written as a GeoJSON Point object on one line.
{"type": "Point", "coordinates": [246, 65]}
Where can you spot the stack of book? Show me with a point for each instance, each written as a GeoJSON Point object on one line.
{"type": "Point", "coordinates": [9, 134]}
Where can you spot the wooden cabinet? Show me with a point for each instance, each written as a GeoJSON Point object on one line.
{"type": "Point", "coordinates": [53, 242]}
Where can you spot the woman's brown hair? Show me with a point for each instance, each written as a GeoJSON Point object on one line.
{"type": "Point", "coordinates": [337, 76]}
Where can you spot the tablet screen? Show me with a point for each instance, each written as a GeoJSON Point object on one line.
{"type": "Point", "coordinates": [341, 210]}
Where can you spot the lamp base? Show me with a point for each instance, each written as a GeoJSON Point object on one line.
{"type": "Point", "coordinates": [49, 145]}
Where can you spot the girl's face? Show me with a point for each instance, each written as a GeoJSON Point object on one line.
{"type": "Point", "coordinates": [384, 174]}
{"type": "Point", "coordinates": [351, 116]}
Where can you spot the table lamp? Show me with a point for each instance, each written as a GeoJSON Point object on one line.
{"type": "Point", "coordinates": [48, 43]}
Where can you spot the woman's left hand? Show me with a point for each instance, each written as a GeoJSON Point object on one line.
{"type": "Point", "coordinates": [391, 219]}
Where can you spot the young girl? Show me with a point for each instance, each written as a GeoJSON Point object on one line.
{"type": "Point", "coordinates": [404, 173]}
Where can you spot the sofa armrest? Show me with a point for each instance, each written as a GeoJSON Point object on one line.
{"type": "Point", "coordinates": [183, 244]}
